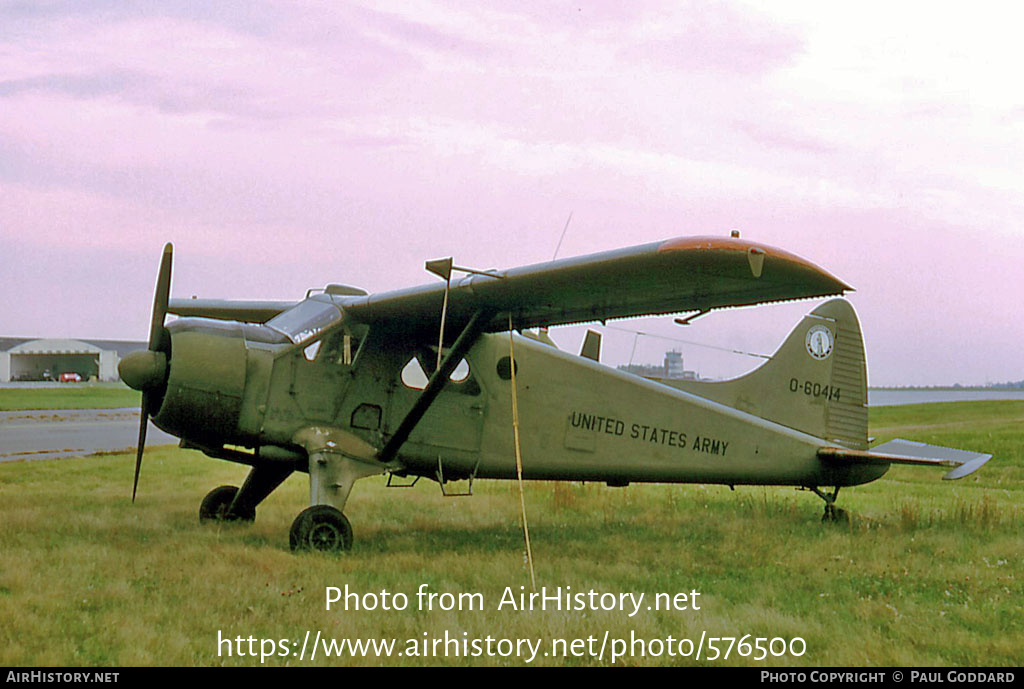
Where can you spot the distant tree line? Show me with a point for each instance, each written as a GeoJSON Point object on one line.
{"type": "Point", "coordinates": [1010, 385]}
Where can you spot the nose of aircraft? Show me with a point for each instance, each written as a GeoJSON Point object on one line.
{"type": "Point", "coordinates": [143, 370]}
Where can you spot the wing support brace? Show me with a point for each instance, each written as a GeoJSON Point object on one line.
{"type": "Point", "coordinates": [901, 451]}
{"type": "Point", "coordinates": [435, 385]}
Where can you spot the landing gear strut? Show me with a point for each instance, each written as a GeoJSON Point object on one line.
{"type": "Point", "coordinates": [216, 506]}
{"type": "Point", "coordinates": [832, 513]}
{"type": "Point", "coordinates": [228, 503]}
{"type": "Point", "coordinates": [336, 461]}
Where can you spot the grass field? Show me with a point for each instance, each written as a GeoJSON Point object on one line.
{"type": "Point", "coordinates": [926, 573]}
{"type": "Point", "coordinates": [70, 396]}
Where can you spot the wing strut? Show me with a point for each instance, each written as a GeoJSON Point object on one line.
{"type": "Point", "coordinates": [436, 384]}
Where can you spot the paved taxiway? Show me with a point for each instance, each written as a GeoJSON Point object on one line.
{"type": "Point", "coordinates": [46, 434]}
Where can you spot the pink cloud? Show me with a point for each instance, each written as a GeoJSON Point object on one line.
{"type": "Point", "coordinates": [281, 151]}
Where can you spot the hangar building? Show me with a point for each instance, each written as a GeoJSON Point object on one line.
{"type": "Point", "coordinates": [47, 359]}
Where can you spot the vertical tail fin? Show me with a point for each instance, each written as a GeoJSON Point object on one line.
{"type": "Point", "coordinates": [815, 383]}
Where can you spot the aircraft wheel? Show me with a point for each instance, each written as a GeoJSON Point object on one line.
{"type": "Point", "coordinates": [835, 515]}
{"type": "Point", "coordinates": [216, 503]}
{"type": "Point", "coordinates": [322, 528]}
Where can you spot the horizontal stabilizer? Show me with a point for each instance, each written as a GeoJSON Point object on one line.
{"type": "Point", "coordinates": [900, 451]}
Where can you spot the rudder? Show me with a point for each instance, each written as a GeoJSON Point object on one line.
{"type": "Point", "coordinates": [815, 383]}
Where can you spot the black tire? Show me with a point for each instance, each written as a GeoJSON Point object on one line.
{"type": "Point", "coordinates": [835, 515]}
{"type": "Point", "coordinates": [322, 528]}
{"type": "Point", "coordinates": [214, 507]}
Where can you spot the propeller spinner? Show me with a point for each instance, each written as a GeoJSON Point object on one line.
{"type": "Point", "coordinates": [147, 370]}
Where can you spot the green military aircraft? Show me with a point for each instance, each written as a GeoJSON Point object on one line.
{"type": "Point", "coordinates": [316, 385]}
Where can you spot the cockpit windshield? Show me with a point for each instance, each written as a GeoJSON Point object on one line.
{"type": "Point", "coordinates": [306, 319]}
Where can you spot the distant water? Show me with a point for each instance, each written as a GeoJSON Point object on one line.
{"type": "Point", "coordinates": [883, 398]}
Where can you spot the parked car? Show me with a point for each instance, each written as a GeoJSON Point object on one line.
{"type": "Point", "coordinates": [70, 378]}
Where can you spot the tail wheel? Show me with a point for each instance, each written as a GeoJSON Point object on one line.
{"type": "Point", "coordinates": [835, 514]}
{"type": "Point", "coordinates": [216, 504]}
{"type": "Point", "coordinates": [832, 513]}
{"type": "Point", "coordinates": [322, 528]}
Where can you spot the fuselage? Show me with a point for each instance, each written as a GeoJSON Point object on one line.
{"type": "Point", "coordinates": [257, 386]}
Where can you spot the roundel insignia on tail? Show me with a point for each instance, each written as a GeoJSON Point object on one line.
{"type": "Point", "coordinates": [819, 342]}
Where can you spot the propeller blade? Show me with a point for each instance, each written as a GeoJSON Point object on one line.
{"type": "Point", "coordinates": [157, 342]}
{"type": "Point", "coordinates": [143, 425]}
{"type": "Point", "coordinates": [160, 300]}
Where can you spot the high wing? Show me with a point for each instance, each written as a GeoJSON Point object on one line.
{"type": "Point", "coordinates": [229, 310]}
{"type": "Point", "coordinates": [673, 276]}
{"type": "Point", "coordinates": [901, 451]}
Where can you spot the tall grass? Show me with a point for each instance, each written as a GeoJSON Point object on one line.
{"type": "Point", "coordinates": [926, 572]}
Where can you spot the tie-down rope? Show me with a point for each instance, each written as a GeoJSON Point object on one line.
{"type": "Point", "coordinates": [519, 454]}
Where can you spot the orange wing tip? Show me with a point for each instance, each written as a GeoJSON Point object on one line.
{"type": "Point", "coordinates": [744, 246]}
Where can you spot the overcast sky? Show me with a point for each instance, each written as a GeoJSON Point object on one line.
{"type": "Point", "coordinates": [282, 146]}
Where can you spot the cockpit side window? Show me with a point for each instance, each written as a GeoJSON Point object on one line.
{"type": "Point", "coordinates": [306, 319]}
{"type": "Point", "coordinates": [414, 375]}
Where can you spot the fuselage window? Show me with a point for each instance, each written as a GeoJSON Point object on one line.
{"type": "Point", "coordinates": [306, 319]}
{"type": "Point", "coordinates": [461, 372]}
{"type": "Point", "coordinates": [312, 350]}
{"type": "Point", "coordinates": [414, 376]}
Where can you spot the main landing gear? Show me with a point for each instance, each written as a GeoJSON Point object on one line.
{"type": "Point", "coordinates": [336, 461]}
{"type": "Point", "coordinates": [321, 527]}
{"type": "Point", "coordinates": [832, 513]}
{"type": "Point", "coordinates": [216, 507]}
{"type": "Point", "coordinates": [231, 504]}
